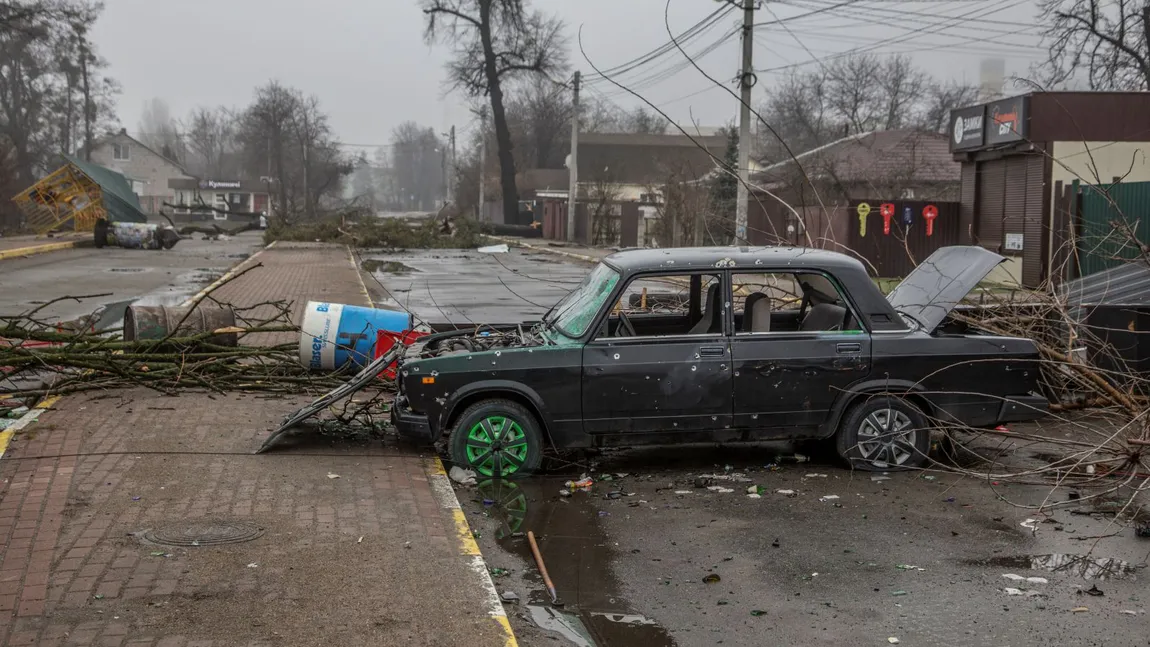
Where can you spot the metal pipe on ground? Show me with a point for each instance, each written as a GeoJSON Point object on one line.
{"type": "Point", "coordinates": [543, 569]}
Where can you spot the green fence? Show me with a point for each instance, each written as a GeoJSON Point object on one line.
{"type": "Point", "coordinates": [1111, 225]}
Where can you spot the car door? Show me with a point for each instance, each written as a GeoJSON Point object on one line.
{"type": "Point", "coordinates": [788, 374]}
{"type": "Point", "coordinates": [665, 381]}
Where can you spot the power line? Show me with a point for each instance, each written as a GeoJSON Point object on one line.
{"type": "Point", "coordinates": [947, 22]}
{"type": "Point", "coordinates": [689, 34]}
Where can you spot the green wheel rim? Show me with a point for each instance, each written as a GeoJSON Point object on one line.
{"type": "Point", "coordinates": [508, 505]}
{"type": "Point", "coordinates": [496, 446]}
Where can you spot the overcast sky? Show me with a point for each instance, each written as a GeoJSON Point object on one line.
{"type": "Point", "coordinates": [367, 62]}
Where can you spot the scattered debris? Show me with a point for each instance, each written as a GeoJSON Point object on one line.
{"type": "Point", "coordinates": [713, 578]}
{"type": "Point", "coordinates": [494, 249]}
{"type": "Point", "coordinates": [1030, 524]}
{"type": "Point", "coordinates": [720, 489]}
{"type": "Point", "coordinates": [909, 567]}
{"type": "Point", "coordinates": [1080, 610]}
{"type": "Point", "coordinates": [815, 476]}
{"type": "Point", "coordinates": [758, 612]}
{"type": "Point", "coordinates": [898, 593]}
{"type": "Point", "coordinates": [332, 475]}
{"type": "Point", "coordinates": [462, 476]}
{"type": "Point", "coordinates": [584, 483]}
{"type": "Point", "coordinates": [786, 492]}
{"type": "Point", "coordinates": [754, 496]}
{"type": "Point", "coordinates": [879, 478]}
{"type": "Point", "coordinates": [509, 597]}
{"type": "Point", "coordinates": [1020, 578]}
{"type": "Point", "coordinates": [1093, 591]}
{"type": "Point", "coordinates": [253, 565]}
{"type": "Point", "coordinates": [499, 572]}
{"type": "Point", "coordinates": [892, 640]}
{"type": "Point", "coordinates": [829, 497]}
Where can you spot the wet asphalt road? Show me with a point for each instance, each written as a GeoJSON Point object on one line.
{"type": "Point", "coordinates": [919, 560]}
{"type": "Point", "coordinates": [152, 277]}
{"type": "Point", "coordinates": [466, 287]}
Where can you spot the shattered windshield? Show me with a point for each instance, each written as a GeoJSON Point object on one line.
{"type": "Point", "coordinates": [575, 312]}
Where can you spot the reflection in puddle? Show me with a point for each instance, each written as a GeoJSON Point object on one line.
{"type": "Point", "coordinates": [1084, 566]}
{"type": "Point", "coordinates": [577, 554]}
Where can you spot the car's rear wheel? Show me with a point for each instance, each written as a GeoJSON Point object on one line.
{"type": "Point", "coordinates": [884, 433]}
{"type": "Point", "coordinates": [498, 439]}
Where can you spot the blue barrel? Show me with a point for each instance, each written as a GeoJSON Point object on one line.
{"type": "Point", "coordinates": [333, 334]}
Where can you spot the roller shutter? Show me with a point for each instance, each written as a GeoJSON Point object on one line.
{"type": "Point", "coordinates": [991, 203]}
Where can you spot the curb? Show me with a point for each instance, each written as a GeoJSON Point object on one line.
{"type": "Point", "coordinates": [550, 250]}
{"type": "Point", "coordinates": [25, 420]}
{"type": "Point", "coordinates": [24, 252]}
{"type": "Point", "coordinates": [227, 275]}
{"type": "Point", "coordinates": [444, 494]}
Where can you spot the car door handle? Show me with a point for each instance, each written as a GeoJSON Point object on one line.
{"type": "Point", "coordinates": [712, 351]}
{"type": "Point", "coordinates": [845, 349]}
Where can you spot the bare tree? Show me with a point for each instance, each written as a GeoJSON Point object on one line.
{"type": "Point", "coordinates": [496, 40]}
{"type": "Point", "coordinates": [539, 116]}
{"type": "Point", "coordinates": [902, 86]}
{"type": "Point", "coordinates": [1110, 39]}
{"type": "Point", "coordinates": [265, 134]}
{"type": "Point", "coordinates": [210, 134]}
{"type": "Point", "coordinates": [159, 131]}
{"type": "Point", "coordinates": [417, 165]}
{"type": "Point", "coordinates": [941, 98]}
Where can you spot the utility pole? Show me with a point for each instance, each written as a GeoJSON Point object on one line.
{"type": "Point", "coordinates": [746, 82]}
{"type": "Point", "coordinates": [452, 170]}
{"type": "Point", "coordinates": [483, 164]}
{"type": "Point", "coordinates": [573, 163]}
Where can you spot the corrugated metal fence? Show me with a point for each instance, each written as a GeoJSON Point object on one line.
{"type": "Point", "coordinates": [1111, 227]}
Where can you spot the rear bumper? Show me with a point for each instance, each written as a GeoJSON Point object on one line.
{"type": "Point", "coordinates": [1022, 408]}
{"type": "Point", "coordinates": [410, 425]}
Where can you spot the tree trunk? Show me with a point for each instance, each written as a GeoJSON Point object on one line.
{"type": "Point", "coordinates": [88, 108]}
{"type": "Point", "coordinates": [499, 118]}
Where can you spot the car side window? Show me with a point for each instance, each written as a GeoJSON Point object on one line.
{"type": "Point", "coordinates": [782, 302]}
{"type": "Point", "coordinates": [661, 306]}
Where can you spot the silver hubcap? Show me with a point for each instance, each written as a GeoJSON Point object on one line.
{"type": "Point", "coordinates": [887, 437]}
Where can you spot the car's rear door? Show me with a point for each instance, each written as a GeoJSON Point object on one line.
{"type": "Point", "coordinates": [664, 381]}
{"type": "Point", "coordinates": [788, 377]}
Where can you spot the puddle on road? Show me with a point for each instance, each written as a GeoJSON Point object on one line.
{"type": "Point", "coordinates": [1085, 566]}
{"type": "Point", "coordinates": [388, 267]}
{"type": "Point", "coordinates": [576, 551]}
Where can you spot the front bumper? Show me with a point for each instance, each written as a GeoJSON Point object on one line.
{"type": "Point", "coordinates": [1021, 408]}
{"type": "Point", "coordinates": [410, 425]}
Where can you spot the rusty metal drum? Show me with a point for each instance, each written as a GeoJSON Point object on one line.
{"type": "Point", "coordinates": [143, 323]}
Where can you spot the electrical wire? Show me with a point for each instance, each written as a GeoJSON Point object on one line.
{"type": "Point", "coordinates": [912, 35]}
{"type": "Point", "coordinates": [668, 47]}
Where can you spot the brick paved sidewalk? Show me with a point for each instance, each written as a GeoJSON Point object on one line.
{"type": "Point", "coordinates": [368, 557]}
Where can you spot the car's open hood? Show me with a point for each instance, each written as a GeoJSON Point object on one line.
{"type": "Point", "coordinates": [932, 290]}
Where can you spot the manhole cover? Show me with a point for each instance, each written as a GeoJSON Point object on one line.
{"type": "Point", "coordinates": [204, 533]}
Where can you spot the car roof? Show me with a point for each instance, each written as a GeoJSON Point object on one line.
{"type": "Point", "coordinates": [731, 257]}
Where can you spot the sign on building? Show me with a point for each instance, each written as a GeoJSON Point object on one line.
{"type": "Point", "coordinates": [967, 128]}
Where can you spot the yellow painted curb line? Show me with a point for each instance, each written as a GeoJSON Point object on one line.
{"type": "Point", "coordinates": [37, 249]}
{"type": "Point", "coordinates": [24, 421]}
{"type": "Point", "coordinates": [445, 494]}
{"type": "Point", "coordinates": [227, 275]}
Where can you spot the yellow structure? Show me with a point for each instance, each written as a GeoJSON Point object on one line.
{"type": "Point", "coordinates": [66, 197]}
{"type": "Point", "coordinates": [77, 195]}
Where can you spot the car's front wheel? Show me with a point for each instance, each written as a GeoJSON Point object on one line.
{"type": "Point", "coordinates": [884, 433]}
{"type": "Point", "coordinates": [498, 439]}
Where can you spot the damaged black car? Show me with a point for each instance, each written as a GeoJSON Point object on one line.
{"type": "Point", "coordinates": [723, 344]}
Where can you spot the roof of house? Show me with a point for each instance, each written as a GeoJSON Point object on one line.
{"type": "Point", "coordinates": [870, 156]}
{"type": "Point", "coordinates": [120, 203]}
{"type": "Point", "coordinates": [643, 139]}
{"type": "Point", "coordinates": [124, 133]}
